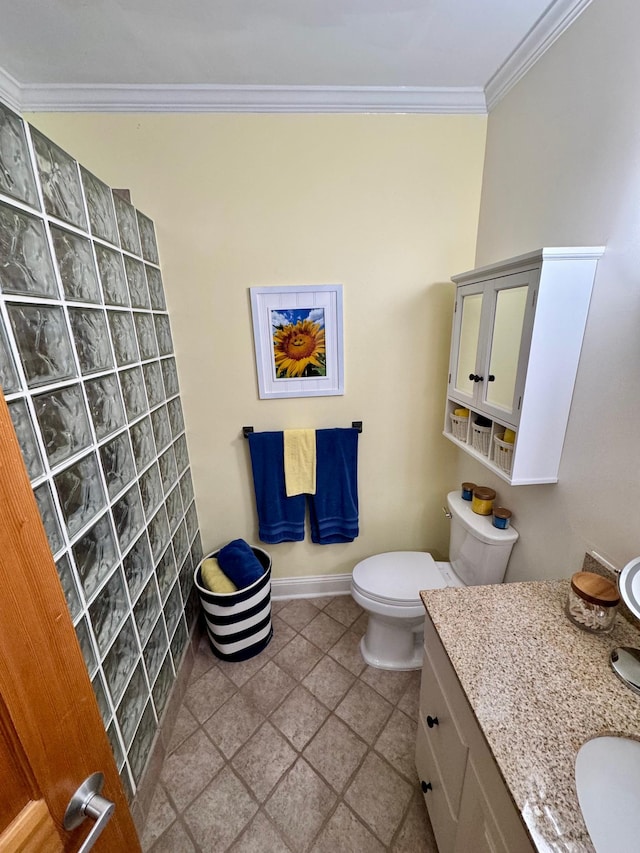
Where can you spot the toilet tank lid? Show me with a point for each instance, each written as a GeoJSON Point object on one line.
{"type": "Point", "coordinates": [398, 575]}
{"type": "Point", "coordinates": [480, 525]}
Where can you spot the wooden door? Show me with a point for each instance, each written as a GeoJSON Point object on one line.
{"type": "Point", "coordinates": [51, 733]}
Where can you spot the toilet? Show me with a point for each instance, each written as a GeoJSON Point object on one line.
{"type": "Point", "coordinates": [388, 585]}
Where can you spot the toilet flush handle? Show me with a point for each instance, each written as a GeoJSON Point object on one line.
{"type": "Point", "coordinates": [446, 512]}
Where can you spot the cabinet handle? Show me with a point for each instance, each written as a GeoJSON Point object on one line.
{"type": "Point", "coordinates": [492, 378]}
{"type": "Point", "coordinates": [426, 786]}
{"type": "Point", "coordinates": [476, 378]}
{"type": "Point", "coordinates": [432, 721]}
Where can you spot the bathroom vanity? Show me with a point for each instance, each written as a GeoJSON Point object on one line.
{"type": "Point", "coordinates": [510, 691]}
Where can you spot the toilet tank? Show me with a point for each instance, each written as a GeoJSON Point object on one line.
{"type": "Point", "coordinates": [478, 551]}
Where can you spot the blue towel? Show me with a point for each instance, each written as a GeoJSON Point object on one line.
{"type": "Point", "coordinates": [239, 563]}
{"type": "Point", "coordinates": [333, 510]}
{"type": "Point", "coordinates": [280, 518]}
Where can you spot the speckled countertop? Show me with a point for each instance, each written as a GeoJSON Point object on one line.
{"type": "Point", "coordinates": [539, 687]}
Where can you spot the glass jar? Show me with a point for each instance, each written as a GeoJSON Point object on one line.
{"type": "Point", "coordinates": [483, 499]}
{"type": "Point", "coordinates": [592, 602]}
{"type": "Point", "coordinates": [501, 517]}
{"type": "Point", "coordinates": [467, 491]}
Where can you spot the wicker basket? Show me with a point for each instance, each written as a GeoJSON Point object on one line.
{"type": "Point", "coordinates": [503, 453]}
{"type": "Point", "coordinates": [481, 438]}
{"type": "Point", "coordinates": [460, 427]}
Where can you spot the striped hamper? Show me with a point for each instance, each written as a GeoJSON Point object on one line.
{"type": "Point", "coordinates": [238, 623]}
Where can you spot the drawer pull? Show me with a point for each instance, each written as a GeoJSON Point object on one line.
{"type": "Point", "coordinates": [426, 786]}
{"type": "Point", "coordinates": [432, 721]}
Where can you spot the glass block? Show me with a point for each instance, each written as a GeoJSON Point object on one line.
{"type": "Point", "coordinates": [105, 405]}
{"type": "Point", "coordinates": [163, 334]}
{"type": "Point", "coordinates": [91, 338]}
{"type": "Point", "coordinates": [151, 490]}
{"type": "Point", "coordinates": [192, 609]}
{"type": "Point", "coordinates": [153, 383]}
{"type": "Point", "coordinates": [132, 705]}
{"type": "Point", "coordinates": [60, 181]}
{"type": "Point", "coordinates": [166, 572]}
{"type": "Point", "coordinates": [156, 288]}
{"type": "Point", "coordinates": [168, 469]}
{"type": "Point", "coordinates": [147, 238]}
{"type": "Point", "coordinates": [64, 424]}
{"type": "Point", "coordinates": [133, 392]}
{"type": "Point", "coordinates": [49, 516]}
{"type": "Point", "coordinates": [26, 437]}
{"type": "Point", "coordinates": [162, 687]}
{"type": "Point", "coordinates": [16, 173]}
{"type": "Point", "coordinates": [173, 608]}
{"type": "Point", "coordinates": [179, 643]}
{"type": "Point", "coordinates": [176, 418]}
{"type": "Point", "coordinates": [138, 566]}
{"type": "Point", "coordinates": [117, 464]}
{"type": "Point", "coordinates": [43, 343]}
{"type": "Point", "coordinates": [67, 579]}
{"type": "Point", "coordinates": [145, 331]}
{"type": "Point", "coordinates": [9, 381]}
{"type": "Point", "coordinates": [102, 216]}
{"type": "Point", "coordinates": [121, 660]}
{"type": "Point", "coordinates": [116, 746]}
{"type": "Point", "coordinates": [174, 508]}
{"type": "Point", "coordinates": [123, 336]}
{"type": "Point", "coordinates": [127, 225]}
{"type": "Point", "coordinates": [127, 784]}
{"type": "Point", "coordinates": [191, 519]}
{"type": "Point", "coordinates": [26, 261]}
{"type": "Point", "coordinates": [95, 555]}
{"type": "Point", "coordinates": [108, 610]}
{"type": "Point", "coordinates": [161, 428]}
{"type": "Point", "coordinates": [182, 454]}
{"type": "Point", "coordinates": [196, 550]}
{"type": "Point", "coordinates": [137, 280]}
{"type": "Point", "coordinates": [101, 697]}
{"type": "Point", "coordinates": [181, 543]}
{"type": "Point", "coordinates": [128, 517]}
{"type": "Point", "coordinates": [186, 487]}
{"type": "Point", "coordinates": [170, 376]}
{"type": "Point", "coordinates": [140, 749]}
{"type": "Point", "coordinates": [159, 532]}
{"type": "Point", "coordinates": [146, 610]}
{"type": "Point", "coordinates": [76, 266]}
{"type": "Point", "coordinates": [80, 493]}
{"type": "Point", "coordinates": [84, 638]}
{"type": "Point", "coordinates": [186, 577]}
{"type": "Point", "coordinates": [144, 449]}
{"type": "Point", "coordinates": [155, 649]}
{"type": "Point", "coordinates": [114, 282]}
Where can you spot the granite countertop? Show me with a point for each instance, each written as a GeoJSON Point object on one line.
{"type": "Point", "coordinates": [539, 687]}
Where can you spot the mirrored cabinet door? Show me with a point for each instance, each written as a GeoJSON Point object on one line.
{"type": "Point", "coordinates": [470, 310]}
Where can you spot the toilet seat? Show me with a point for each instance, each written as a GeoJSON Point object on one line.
{"type": "Point", "coordinates": [396, 578]}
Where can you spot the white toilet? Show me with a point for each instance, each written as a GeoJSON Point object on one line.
{"type": "Point", "coordinates": [388, 585]}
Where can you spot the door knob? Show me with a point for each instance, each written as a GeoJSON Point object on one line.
{"type": "Point", "coordinates": [426, 786]}
{"type": "Point", "coordinates": [432, 721]}
{"type": "Point", "coordinates": [87, 802]}
{"type": "Point", "coordinates": [475, 378]}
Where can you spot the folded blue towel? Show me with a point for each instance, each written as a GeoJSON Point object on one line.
{"type": "Point", "coordinates": [239, 563]}
{"type": "Point", "coordinates": [333, 510]}
{"type": "Point", "coordinates": [280, 518]}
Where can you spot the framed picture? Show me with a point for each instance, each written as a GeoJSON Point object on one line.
{"type": "Point", "coordinates": [298, 339]}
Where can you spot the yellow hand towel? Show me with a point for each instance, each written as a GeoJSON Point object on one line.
{"type": "Point", "coordinates": [214, 578]}
{"type": "Point", "coordinates": [300, 461]}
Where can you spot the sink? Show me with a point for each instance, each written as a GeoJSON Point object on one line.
{"type": "Point", "coordinates": [608, 784]}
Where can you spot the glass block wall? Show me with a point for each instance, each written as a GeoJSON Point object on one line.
{"type": "Point", "coordinates": [88, 371]}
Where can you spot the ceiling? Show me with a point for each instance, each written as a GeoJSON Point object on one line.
{"type": "Point", "coordinates": [400, 55]}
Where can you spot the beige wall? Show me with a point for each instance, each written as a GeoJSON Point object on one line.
{"type": "Point", "coordinates": [385, 205]}
{"type": "Point", "coordinates": [562, 168]}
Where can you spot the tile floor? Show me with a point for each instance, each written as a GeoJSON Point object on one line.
{"type": "Point", "coordinates": [302, 748]}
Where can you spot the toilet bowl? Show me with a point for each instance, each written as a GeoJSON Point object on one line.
{"type": "Point", "coordinates": [388, 585]}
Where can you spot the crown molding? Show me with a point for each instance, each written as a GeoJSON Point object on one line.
{"type": "Point", "coordinates": [10, 92]}
{"type": "Point", "coordinates": [538, 40]}
{"type": "Point", "coordinates": [251, 99]}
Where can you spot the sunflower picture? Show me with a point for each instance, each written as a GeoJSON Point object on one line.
{"type": "Point", "coordinates": [298, 342]}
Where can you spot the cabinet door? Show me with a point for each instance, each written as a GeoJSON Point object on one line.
{"type": "Point", "coordinates": [465, 343]}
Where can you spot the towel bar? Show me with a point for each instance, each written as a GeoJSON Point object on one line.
{"type": "Point", "coordinates": [357, 425]}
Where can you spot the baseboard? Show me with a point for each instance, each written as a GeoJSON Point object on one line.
{"type": "Point", "coordinates": [310, 587]}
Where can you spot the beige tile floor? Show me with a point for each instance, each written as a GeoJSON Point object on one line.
{"type": "Point", "coordinates": [302, 748]}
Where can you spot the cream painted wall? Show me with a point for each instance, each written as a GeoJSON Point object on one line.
{"type": "Point", "coordinates": [387, 206]}
{"type": "Point", "coordinates": [563, 168]}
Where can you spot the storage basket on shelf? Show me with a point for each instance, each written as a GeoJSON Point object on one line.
{"type": "Point", "coordinates": [238, 623]}
{"type": "Point", "coordinates": [481, 438]}
{"type": "Point", "coordinates": [503, 453]}
{"type": "Point", "coordinates": [459, 426]}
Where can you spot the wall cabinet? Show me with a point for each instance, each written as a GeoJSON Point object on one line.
{"type": "Point", "coordinates": [468, 802]}
{"type": "Point", "coordinates": [517, 332]}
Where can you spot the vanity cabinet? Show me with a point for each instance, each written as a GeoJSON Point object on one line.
{"type": "Point", "coordinates": [468, 802]}
{"type": "Point", "coordinates": [517, 333]}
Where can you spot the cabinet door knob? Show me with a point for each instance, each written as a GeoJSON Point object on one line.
{"type": "Point", "coordinates": [432, 721]}
{"type": "Point", "coordinates": [426, 786]}
{"type": "Point", "coordinates": [476, 378]}
{"type": "Point", "coordinates": [492, 378]}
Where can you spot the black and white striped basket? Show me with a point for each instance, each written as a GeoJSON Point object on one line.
{"type": "Point", "coordinates": [238, 623]}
